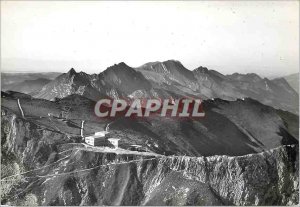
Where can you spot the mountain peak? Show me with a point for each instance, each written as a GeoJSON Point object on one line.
{"type": "Point", "coordinates": [252, 77]}
{"type": "Point", "coordinates": [201, 69]}
{"type": "Point", "coordinates": [120, 65]}
{"type": "Point", "coordinates": [71, 71]}
{"type": "Point", "coordinates": [172, 61]}
{"type": "Point", "coordinates": [151, 65]}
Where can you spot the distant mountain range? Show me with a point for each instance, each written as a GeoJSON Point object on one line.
{"type": "Point", "coordinates": [171, 79]}
{"type": "Point", "coordinates": [26, 82]}
{"type": "Point", "coordinates": [293, 80]}
{"type": "Point", "coordinates": [29, 86]}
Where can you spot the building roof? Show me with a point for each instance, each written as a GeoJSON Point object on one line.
{"type": "Point", "coordinates": [135, 145]}
{"type": "Point", "coordinates": [114, 139]}
{"type": "Point", "coordinates": [96, 136]}
{"type": "Point", "coordinates": [100, 134]}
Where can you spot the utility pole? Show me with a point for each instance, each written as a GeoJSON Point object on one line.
{"type": "Point", "coordinates": [81, 130]}
{"type": "Point", "coordinates": [20, 108]}
{"type": "Point", "coordinates": [107, 127]}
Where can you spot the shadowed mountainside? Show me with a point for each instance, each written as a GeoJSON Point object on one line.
{"type": "Point", "coordinates": [228, 128]}
{"type": "Point", "coordinates": [46, 168]}
{"type": "Point", "coordinates": [171, 79]}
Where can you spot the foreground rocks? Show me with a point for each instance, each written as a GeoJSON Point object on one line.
{"type": "Point", "coordinates": [67, 175]}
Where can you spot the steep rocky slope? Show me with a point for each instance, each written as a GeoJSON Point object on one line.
{"type": "Point", "coordinates": [68, 84]}
{"type": "Point", "coordinates": [44, 167]}
{"type": "Point", "coordinates": [228, 128]}
{"type": "Point", "coordinates": [116, 81]}
{"type": "Point", "coordinates": [173, 76]}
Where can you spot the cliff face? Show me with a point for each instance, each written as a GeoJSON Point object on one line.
{"type": "Point", "coordinates": [48, 169]}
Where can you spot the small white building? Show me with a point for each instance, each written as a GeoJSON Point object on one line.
{"type": "Point", "coordinates": [114, 141]}
{"type": "Point", "coordinates": [97, 139]}
{"type": "Point", "coordinates": [101, 133]}
{"type": "Point", "coordinates": [135, 147]}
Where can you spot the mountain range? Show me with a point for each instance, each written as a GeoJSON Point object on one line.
{"type": "Point", "coordinates": [243, 152]}
{"type": "Point", "coordinates": [25, 82]}
{"type": "Point", "coordinates": [243, 126]}
{"type": "Point", "coordinates": [293, 80]}
{"type": "Point", "coordinates": [171, 79]}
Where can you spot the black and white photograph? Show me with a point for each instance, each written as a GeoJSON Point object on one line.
{"type": "Point", "coordinates": [149, 103]}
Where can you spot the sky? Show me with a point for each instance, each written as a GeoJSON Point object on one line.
{"type": "Point", "coordinates": [228, 36]}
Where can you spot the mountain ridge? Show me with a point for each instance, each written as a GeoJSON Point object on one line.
{"type": "Point", "coordinates": [250, 125]}
{"type": "Point", "coordinates": [293, 81]}
{"type": "Point", "coordinates": [49, 170]}
{"type": "Point", "coordinates": [171, 79]}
